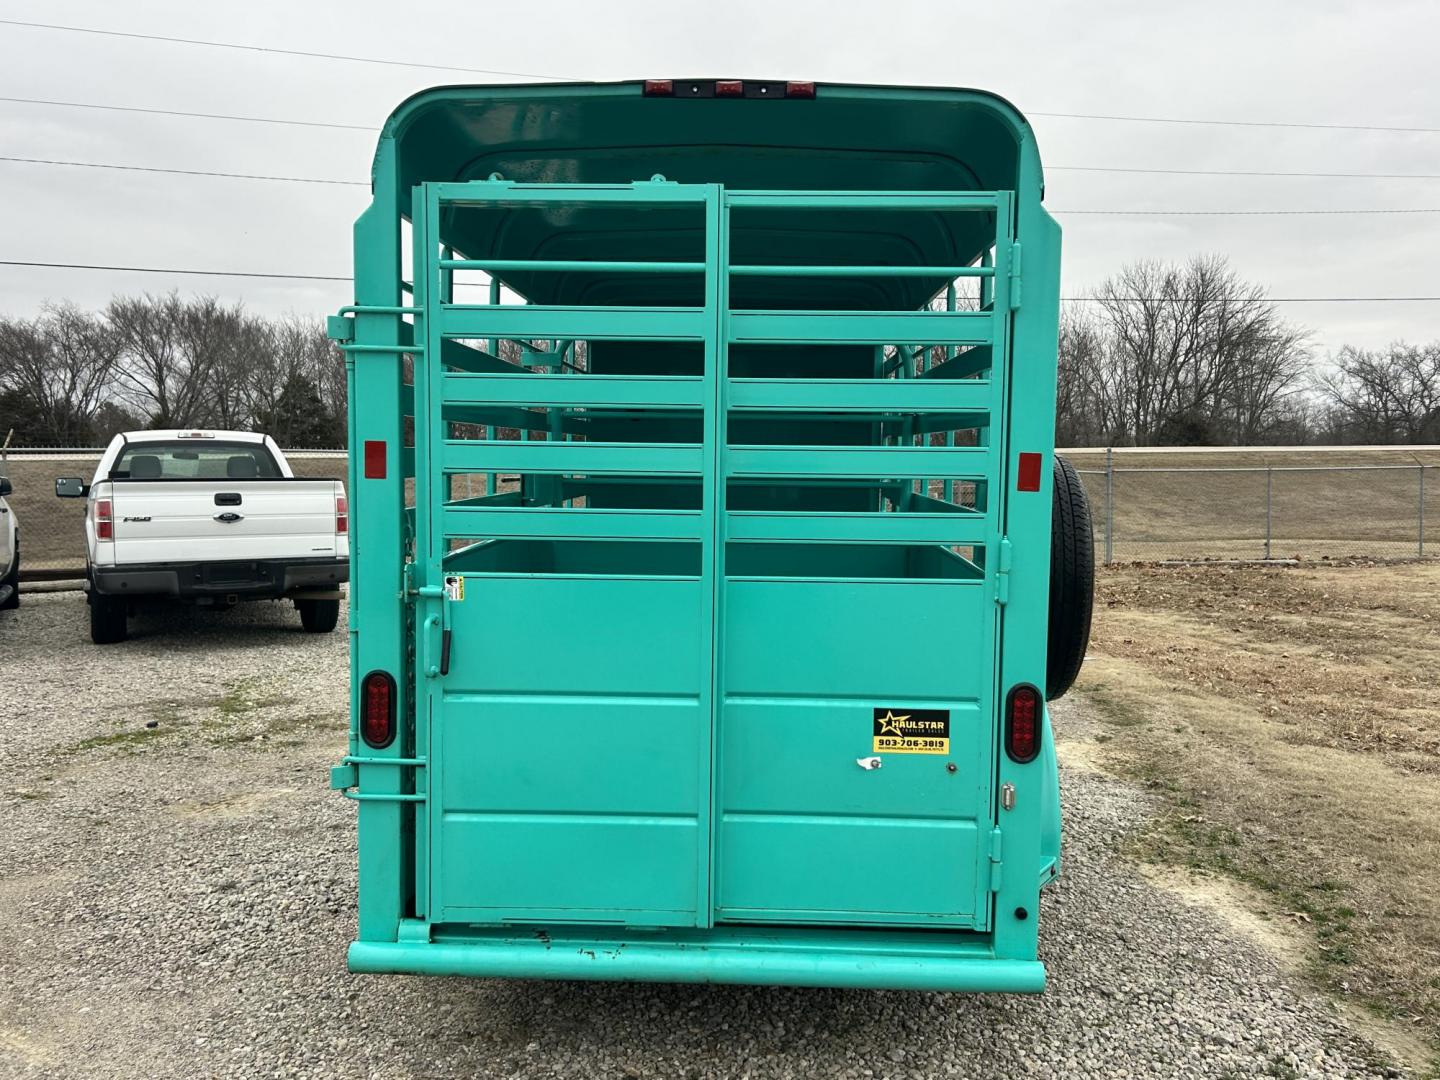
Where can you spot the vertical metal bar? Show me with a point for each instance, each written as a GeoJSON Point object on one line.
{"type": "Point", "coordinates": [714, 515]}
{"type": "Point", "coordinates": [1421, 515]}
{"type": "Point", "coordinates": [1269, 505]}
{"type": "Point", "coordinates": [1109, 506]}
{"type": "Point", "coordinates": [987, 285]}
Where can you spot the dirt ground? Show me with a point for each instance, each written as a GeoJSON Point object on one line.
{"type": "Point", "coordinates": [1288, 719]}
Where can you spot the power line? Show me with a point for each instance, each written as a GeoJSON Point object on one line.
{"type": "Point", "coordinates": [1243, 172]}
{"type": "Point", "coordinates": [278, 52]}
{"type": "Point", "coordinates": [566, 78]}
{"type": "Point", "coordinates": [1262, 299]}
{"type": "Point", "coordinates": [185, 172]}
{"type": "Point", "coordinates": [1239, 213]}
{"type": "Point", "coordinates": [361, 183]}
{"type": "Point", "coordinates": [1236, 123]}
{"type": "Point", "coordinates": [177, 270]}
{"type": "Point", "coordinates": [338, 277]}
{"type": "Point", "coordinates": [193, 115]}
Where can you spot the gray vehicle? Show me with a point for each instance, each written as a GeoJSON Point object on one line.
{"type": "Point", "coordinates": [9, 550]}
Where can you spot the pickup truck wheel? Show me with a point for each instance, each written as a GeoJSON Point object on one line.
{"type": "Point", "coordinates": [12, 579]}
{"type": "Point", "coordinates": [107, 619]}
{"type": "Point", "coordinates": [319, 616]}
{"type": "Point", "coordinates": [1072, 581]}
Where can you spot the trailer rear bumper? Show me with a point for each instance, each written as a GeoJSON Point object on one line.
{"type": "Point", "coordinates": [819, 958]}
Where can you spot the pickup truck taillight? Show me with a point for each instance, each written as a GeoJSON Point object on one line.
{"type": "Point", "coordinates": [342, 515]}
{"type": "Point", "coordinates": [104, 520]}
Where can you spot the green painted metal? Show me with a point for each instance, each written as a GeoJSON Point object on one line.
{"type": "Point", "coordinates": [704, 496]}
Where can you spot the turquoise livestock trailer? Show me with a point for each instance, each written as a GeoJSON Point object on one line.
{"type": "Point", "coordinates": [706, 591]}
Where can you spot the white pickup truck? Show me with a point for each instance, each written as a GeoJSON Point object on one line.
{"type": "Point", "coordinates": [212, 517]}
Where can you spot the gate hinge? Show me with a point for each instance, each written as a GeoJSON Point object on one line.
{"type": "Point", "coordinates": [1015, 277]}
{"type": "Point", "coordinates": [1002, 573]}
{"type": "Point", "coordinates": [995, 860]}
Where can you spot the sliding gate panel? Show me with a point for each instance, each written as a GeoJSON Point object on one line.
{"type": "Point", "coordinates": [565, 543]}
{"type": "Point", "coordinates": [861, 547]}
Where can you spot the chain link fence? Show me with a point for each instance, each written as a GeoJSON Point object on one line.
{"type": "Point", "coordinates": [1147, 504]}
{"type": "Point", "coordinates": [1281, 503]}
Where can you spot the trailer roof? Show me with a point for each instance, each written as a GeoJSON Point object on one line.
{"type": "Point", "coordinates": [847, 137]}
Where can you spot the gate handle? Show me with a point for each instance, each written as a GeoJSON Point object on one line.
{"type": "Point", "coordinates": [442, 620]}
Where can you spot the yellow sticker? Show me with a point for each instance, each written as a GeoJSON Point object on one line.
{"type": "Point", "coordinates": [912, 731]}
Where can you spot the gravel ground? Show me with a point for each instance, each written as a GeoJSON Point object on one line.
{"type": "Point", "coordinates": [177, 900]}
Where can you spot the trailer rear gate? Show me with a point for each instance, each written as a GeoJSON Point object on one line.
{"type": "Point", "coordinates": [709, 578]}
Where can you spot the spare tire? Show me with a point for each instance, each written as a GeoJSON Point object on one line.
{"type": "Point", "coordinates": [1072, 580]}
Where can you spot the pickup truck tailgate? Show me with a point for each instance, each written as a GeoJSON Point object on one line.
{"type": "Point", "coordinates": [205, 521]}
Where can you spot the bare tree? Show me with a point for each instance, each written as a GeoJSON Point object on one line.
{"type": "Point", "coordinates": [1386, 396]}
{"type": "Point", "coordinates": [1185, 354]}
{"type": "Point", "coordinates": [57, 369]}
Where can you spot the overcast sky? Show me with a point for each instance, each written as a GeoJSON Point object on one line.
{"type": "Point", "coordinates": [1295, 61]}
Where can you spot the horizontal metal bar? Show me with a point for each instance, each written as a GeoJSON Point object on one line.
{"type": "Point", "coordinates": [640, 193]}
{"type": "Point", "coordinates": [862, 327]}
{"type": "Point", "coordinates": [874, 528]}
{"type": "Point", "coordinates": [415, 762]}
{"type": "Point", "coordinates": [381, 348]}
{"type": "Point", "coordinates": [764, 959]}
{"type": "Point", "coordinates": [966, 364]}
{"type": "Point", "coordinates": [552, 523]}
{"type": "Point", "coordinates": [578, 323]}
{"type": "Point", "coordinates": [861, 462]}
{"type": "Point", "coordinates": [863, 200]}
{"type": "Point", "coordinates": [871, 395]}
{"type": "Point", "coordinates": [586, 266]}
{"type": "Point", "coordinates": [573, 391]}
{"type": "Point", "coordinates": [365, 796]}
{"type": "Point", "coordinates": [864, 271]}
{"type": "Point", "coordinates": [379, 309]}
{"type": "Point", "coordinates": [569, 457]}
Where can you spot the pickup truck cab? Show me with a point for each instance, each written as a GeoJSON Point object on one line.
{"type": "Point", "coordinates": [210, 517]}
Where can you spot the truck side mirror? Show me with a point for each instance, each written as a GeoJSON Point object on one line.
{"type": "Point", "coordinates": [5, 486]}
{"type": "Point", "coordinates": [71, 487]}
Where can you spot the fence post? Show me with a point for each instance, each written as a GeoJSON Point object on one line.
{"type": "Point", "coordinates": [1269, 506]}
{"type": "Point", "coordinates": [1109, 505]}
{"type": "Point", "coordinates": [1421, 515]}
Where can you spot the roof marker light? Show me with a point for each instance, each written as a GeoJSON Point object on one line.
{"type": "Point", "coordinates": [659, 88]}
{"type": "Point", "coordinates": [800, 89]}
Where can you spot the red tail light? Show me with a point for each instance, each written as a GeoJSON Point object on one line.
{"type": "Point", "coordinates": [104, 520]}
{"type": "Point", "coordinates": [1024, 711]}
{"type": "Point", "coordinates": [729, 88]}
{"type": "Point", "coordinates": [342, 515]}
{"type": "Point", "coordinates": [377, 709]}
{"type": "Point", "coordinates": [800, 89]}
{"type": "Point", "coordinates": [659, 88]}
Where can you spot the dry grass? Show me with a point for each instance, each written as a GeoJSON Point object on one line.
{"type": "Point", "coordinates": [1288, 718]}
